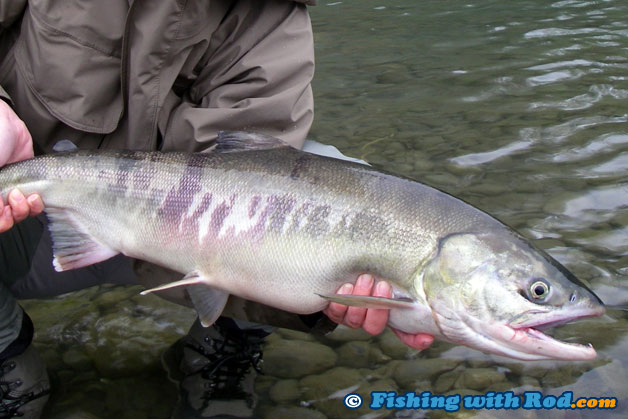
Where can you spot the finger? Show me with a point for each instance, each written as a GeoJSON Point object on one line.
{"type": "Point", "coordinates": [6, 219]}
{"type": "Point", "coordinates": [19, 206]}
{"type": "Point", "coordinates": [35, 204]}
{"type": "Point", "coordinates": [336, 312]}
{"type": "Point", "coordinates": [418, 341]}
{"type": "Point", "coordinates": [355, 315]}
{"type": "Point", "coordinates": [376, 318]}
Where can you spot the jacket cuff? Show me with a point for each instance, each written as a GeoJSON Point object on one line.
{"type": "Point", "coordinates": [5, 96]}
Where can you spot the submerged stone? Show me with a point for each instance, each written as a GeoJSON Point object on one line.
{"type": "Point", "coordinates": [479, 378]}
{"type": "Point", "coordinates": [445, 381]}
{"type": "Point", "coordinates": [390, 344]}
{"type": "Point", "coordinates": [284, 391]}
{"type": "Point", "coordinates": [321, 386]}
{"type": "Point", "coordinates": [295, 335]}
{"type": "Point", "coordinates": [354, 354]}
{"type": "Point", "coordinates": [346, 334]}
{"type": "Point", "coordinates": [77, 360]}
{"type": "Point", "coordinates": [408, 373]}
{"type": "Point", "coordinates": [292, 413]}
{"type": "Point", "coordinates": [297, 358]}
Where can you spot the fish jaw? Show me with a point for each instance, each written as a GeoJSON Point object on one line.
{"type": "Point", "coordinates": [523, 342]}
{"type": "Point", "coordinates": [529, 335]}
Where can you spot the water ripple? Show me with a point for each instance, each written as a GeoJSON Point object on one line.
{"type": "Point", "coordinates": [589, 205]}
{"type": "Point", "coordinates": [618, 166]}
{"type": "Point", "coordinates": [555, 32]}
{"type": "Point", "coordinates": [608, 143]}
{"type": "Point", "coordinates": [554, 77]}
{"type": "Point", "coordinates": [560, 132]}
{"type": "Point", "coordinates": [576, 63]}
{"type": "Point", "coordinates": [474, 159]}
{"type": "Point", "coordinates": [584, 101]}
{"type": "Point", "coordinates": [573, 3]}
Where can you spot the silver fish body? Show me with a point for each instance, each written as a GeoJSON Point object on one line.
{"type": "Point", "coordinates": [286, 228]}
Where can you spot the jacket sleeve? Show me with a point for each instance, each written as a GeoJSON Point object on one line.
{"type": "Point", "coordinates": [5, 96]}
{"type": "Point", "coordinates": [256, 77]}
{"type": "Point", "coordinates": [10, 11]}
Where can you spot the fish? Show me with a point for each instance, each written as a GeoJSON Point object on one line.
{"type": "Point", "coordinates": [269, 223]}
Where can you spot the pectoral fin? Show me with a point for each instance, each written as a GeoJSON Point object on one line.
{"type": "Point", "coordinates": [192, 278]}
{"type": "Point", "coordinates": [368, 302]}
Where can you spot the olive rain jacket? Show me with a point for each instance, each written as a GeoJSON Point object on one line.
{"type": "Point", "coordinates": [156, 74]}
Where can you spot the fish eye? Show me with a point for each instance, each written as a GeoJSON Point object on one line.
{"type": "Point", "coordinates": [539, 289]}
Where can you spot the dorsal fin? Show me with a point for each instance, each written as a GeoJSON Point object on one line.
{"type": "Point", "coordinates": [63, 146]}
{"type": "Point", "coordinates": [234, 141]}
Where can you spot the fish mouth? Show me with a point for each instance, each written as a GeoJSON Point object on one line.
{"type": "Point", "coordinates": [533, 344]}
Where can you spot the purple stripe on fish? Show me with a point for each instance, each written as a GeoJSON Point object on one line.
{"type": "Point", "coordinates": [280, 207]}
{"type": "Point", "coordinates": [219, 215]}
{"type": "Point", "coordinates": [191, 223]}
{"type": "Point", "coordinates": [253, 205]}
{"type": "Point", "coordinates": [180, 198]}
{"type": "Point", "coordinates": [274, 215]}
{"type": "Point", "coordinates": [142, 179]}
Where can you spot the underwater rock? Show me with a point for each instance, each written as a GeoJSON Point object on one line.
{"type": "Point", "coordinates": [446, 381]}
{"type": "Point", "coordinates": [293, 412]}
{"type": "Point", "coordinates": [284, 391]}
{"type": "Point", "coordinates": [479, 378]}
{"type": "Point", "coordinates": [346, 334]}
{"type": "Point", "coordinates": [77, 360]}
{"type": "Point", "coordinates": [408, 373]}
{"type": "Point", "coordinates": [122, 347]}
{"type": "Point", "coordinates": [297, 358]}
{"type": "Point", "coordinates": [321, 386]}
{"type": "Point", "coordinates": [354, 354]}
{"type": "Point", "coordinates": [530, 382]}
{"type": "Point", "coordinates": [295, 335]}
{"type": "Point", "coordinates": [390, 344]}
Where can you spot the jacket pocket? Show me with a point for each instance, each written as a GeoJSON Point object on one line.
{"type": "Point", "coordinates": [70, 65]}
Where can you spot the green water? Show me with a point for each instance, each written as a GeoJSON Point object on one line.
{"type": "Point", "coordinates": [520, 108]}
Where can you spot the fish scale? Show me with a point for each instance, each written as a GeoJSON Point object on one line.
{"type": "Point", "coordinates": [266, 222]}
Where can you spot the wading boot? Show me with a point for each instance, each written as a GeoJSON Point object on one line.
{"type": "Point", "coordinates": [215, 369]}
{"type": "Point", "coordinates": [24, 385]}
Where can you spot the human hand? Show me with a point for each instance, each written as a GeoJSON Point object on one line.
{"type": "Point", "coordinates": [372, 320]}
{"type": "Point", "coordinates": [15, 144]}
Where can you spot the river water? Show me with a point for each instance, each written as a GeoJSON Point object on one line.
{"type": "Point", "coordinates": [519, 108]}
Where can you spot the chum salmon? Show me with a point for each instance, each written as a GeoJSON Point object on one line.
{"type": "Point", "coordinates": [269, 223]}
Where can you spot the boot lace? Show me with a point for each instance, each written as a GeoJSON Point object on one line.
{"type": "Point", "coordinates": [229, 359]}
{"type": "Point", "coordinates": [11, 404]}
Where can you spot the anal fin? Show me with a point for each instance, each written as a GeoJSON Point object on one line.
{"type": "Point", "coordinates": [73, 247]}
